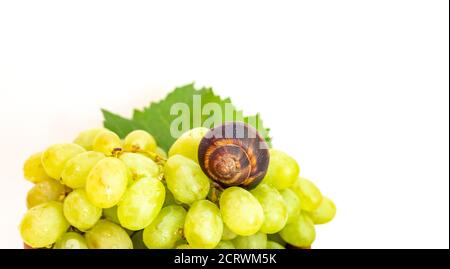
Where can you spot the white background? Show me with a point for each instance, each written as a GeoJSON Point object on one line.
{"type": "Point", "coordinates": [357, 91]}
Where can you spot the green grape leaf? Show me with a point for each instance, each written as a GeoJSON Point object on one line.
{"type": "Point", "coordinates": [203, 108]}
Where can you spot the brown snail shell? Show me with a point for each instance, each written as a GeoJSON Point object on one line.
{"type": "Point", "coordinates": [234, 154]}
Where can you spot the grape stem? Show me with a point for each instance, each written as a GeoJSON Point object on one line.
{"type": "Point", "coordinates": [215, 192]}
{"type": "Point", "coordinates": [116, 152]}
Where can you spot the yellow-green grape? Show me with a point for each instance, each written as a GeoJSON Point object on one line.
{"type": "Point", "coordinates": [292, 202]}
{"type": "Point", "coordinates": [324, 213]}
{"type": "Point", "coordinates": [86, 138]}
{"type": "Point", "coordinates": [184, 246]}
{"type": "Point", "coordinates": [225, 245]}
{"type": "Point", "coordinates": [274, 245]}
{"type": "Point", "coordinates": [33, 170]}
{"type": "Point", "coordinates": [77, 169]}
{"type": "Point", "coordinates": [45, 191]}
{"type": "Point", "coordinates": [166, 229]}
{"type": "Point", "coordinates": [241, 211]}
{"type": "Point", "coordinates": [107, 235]}
{"type": "Point", "coordinates": [138, 241]}
{"type": "Point", "coordinates": [185, 179]}
{"type": "Point", "coordinates": [274, 207]}
{"type": "Point", "coordinates": [43, 225]}
{"type": "Point", "coordinates": [310, 196]}
{"type": "Point", "coordinates": [55, 158]}
{"type": "Point", "coordinates": [141, 203]}
{"type": "Point", "coordinates": [107, 182]}
{"type": "Point", "coordinates": [256, 241]}
{"type": "Point", "coordinates": [111, 214]}
{"type": "Point", "coordinates": [79, 212]}
{"type": "Point", "coordinates": [283, 170]}
{"type": "Point", "coordinates": [299, 233]}
{"type": "Point", "coordinates": [140, 166]}
{"type": "Point", "coordinates": [71, 240]}
{"type": "Point", "coordinates": [276, 238]}
{"type": "Point", "coordinates": [161, 152]}
{"type": "Point", "coordinates": [203, 226]}
{"type": "Point", "coordinates": [187, 144]}
{"type": "Point", "coordinates": [139, 141]}
{"type": "Point", "coordinates": [107, 142]}
{"type": "Point", "coordinates": [227, 233]}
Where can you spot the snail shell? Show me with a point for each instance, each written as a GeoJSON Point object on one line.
{"type": "Point", "coordinates": [234, 154]}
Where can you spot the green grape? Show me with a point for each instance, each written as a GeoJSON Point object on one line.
{"type": "Point", "coordinates": [139, 141]}
{"type": "Point", "coordinates": [81, 213]}
{"type": "Point", "coordinates": [107, 182]}
{"type": "Point", "coordinates": [107, 235]}
{"type": "Point", "coordinates": [241, 211]}
{"type": "Point", "coordinates": [274, 245]}
{"type": "Point", "coordinates": [161, 152]}
{"type": "Point", "coordinates": [71, 240]}
{"type": "Point", "coordinates": [299, 233]}
{"type": "Point", "coordinates": [203, 226]}
{"type": "Point", "coordinates": [255, 241]}
{"type": "Point", "coordinates": [292, 203]}
{"type": "Point", "coordinates": [276, 238]}
{"type": "Point", "coordinates": [324, 213]}
{"type": "Point", "coordinates": [187, 144]}
{"type": "Point", "coordinates": [107, 142]}
{"type": "Point", "coordinates": [310, 196]}
{"type": "Point", "coordinates": [86, 138]}
{"type": "Point", "coordinates": [166, 230]}
{"type": "Point", "coordinates": [77, 169]}
{"type": "Point", "coordinates": [111, 214]}
{"type": "Point", "coordinates": [45, 191]}
{"type": "Point", "coordinates": [225, 245]}
{"type": "Point", "coordinates": [43, 225]}
{"type": "Point", "coordinates": [274, 207]}
{"type": "Point", "coordinates": [140, 166]}
{"type": "Point", "coordinates": [283, 170]}
{"type": "Point", "coordinates": [33, 170]}
{"type": "Point", "coordinates": [185, 179]}
{"type": "Point", "coordinates": [141, 203]}
{"type": "Point", "coordinates": [184, 246]}
{"type": "Point", "coordinates": [137, 239]}
{"type": "Point", "coordinates": [227, 233]}
{"type": "Point", "coordinates": [55, 158]}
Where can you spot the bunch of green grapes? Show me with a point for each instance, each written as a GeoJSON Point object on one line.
{"type": "Point", "coordinates": [104, 192]}
{"type": "Point", "coordinates": [93, 193]}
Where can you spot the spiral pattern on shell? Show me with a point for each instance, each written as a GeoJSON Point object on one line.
{"type": "Point", "coordinates": [234, 154]}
